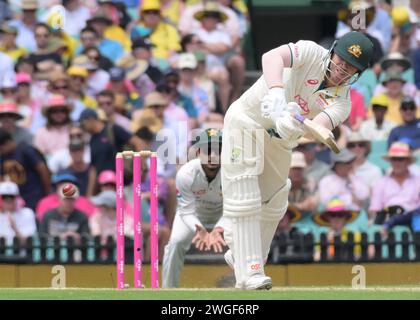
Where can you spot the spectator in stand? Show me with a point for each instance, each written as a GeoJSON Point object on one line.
{"type": "Point", "coordinates": [126, 96]}
{"type": "Point", "coordinates": [396, 62]}
{"type": "Point", "coordinates": [52, 200]}
{"type": "Point", "coordinates": [43, 51]}
{"type": "Point", "coordinates": [9, 117]}
{"type": "Point", "coordinates": [62, 159]}
{"type": "Point", "coordinates": [358, 110]}
{"type": "Point", "coordinates": [336, 215]}
{"type": "Point", "coordinates": [409, 219]}
{"type": "Point", "coordinates": [106, 140]}
{"type": "Point", "coordinates": [410, 129]}
{"type": "Point", "coordinates": [94, 55]}
{"type": "Point", "coordinates": [15, 220]}
{"type": "Point", "coordinates": [76, 16]}
{"type": "Point", "coordinates": [393, 84]}
{"type": "Point", "coordinates": [303, 194]}
{"type": "Point", "coordinates": [65, 220]}
{"type": "Point", "coordinates": [217, 44]}
{"type": "Point", "coordinates": [136, 73]}
{"type": "Point", "coordinates": [362, 168]}
{"type": "Point", "coordinates": [142, 50]}
{"type": "Point", "coordinates": [115, 31]}
{"type": "Point", "coordinates": [152, 26]}
{"type": "Point", "coordinates": [171, 11]}
{"type": "Point", "coordinates": [8, 45]}
{"type": "Point", "coordinates": [26, 25]}
{"type": "Point", "coordinates": [25, 166]}
{"type": "Point", "coordinates": [78, 167]}
{"type": "Point", "coordinates": [97, 79]}
{"type": "Point", "coordinates": [6, 66]}
{"type": "Point", "coordinates": [27, 105]}
{"type": "Point", "coordinates": [400, 187]}
{"type": "Point", "coordinates": [54, 136]}
{"type": "Point", "coordinates": [78, 84]}
{"type": "Point", "coordinates": [172, 79]}
{"type": "Point", "coordinates": [315, 169]}
{"type": "Point", "coordinates": [103, 222]}
{"type": "Point", "coordinates": [106, 102]}
{"type": "Point", "coordinates": [377, 127]}
{"type": "Point", "coordinates": [5, 12]}
{"type": "Point", "coordinates": [187, 86]}
{"type": "Point", "coordinates": [403, 33]}
{"type": "Point", "coordinates": [204, 81]}
{"type": "Point", "coordinates": [8, 87]}
{"type": "Point", "coordinates": [111, 49]}
{"type": "Point", "coordinates": [342, 183]}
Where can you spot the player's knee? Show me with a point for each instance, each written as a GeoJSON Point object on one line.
{"type": "Point", "coordinates": [243, 197]}
{"type": "Point", "coordinates": [276, 207]}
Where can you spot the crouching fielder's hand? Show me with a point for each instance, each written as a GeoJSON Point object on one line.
{"type": "Point", "coordinates": [200, 239]}
{"type": "Point", "coordinates": [215, 240]}
{"type": "Point", "coordinates": [273, 103]}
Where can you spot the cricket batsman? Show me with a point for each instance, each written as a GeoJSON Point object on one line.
{"type": "Point", "coordinates": [300, 77]}
{"type": "Point", "coordinates": [200, 204]}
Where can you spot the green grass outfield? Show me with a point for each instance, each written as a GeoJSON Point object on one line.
{"type": "Point", "coordinates": [289, 293]}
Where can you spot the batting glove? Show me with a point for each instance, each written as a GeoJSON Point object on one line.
{"type": "Point", "coordinates": [274, 103]}
{"type": "Point", "coordinates": [289, 128]}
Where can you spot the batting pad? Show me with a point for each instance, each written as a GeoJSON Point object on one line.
{"type": "Point", "coordinates": [272, 211]}
{"type": "Point", "coordinates": [247, 252]}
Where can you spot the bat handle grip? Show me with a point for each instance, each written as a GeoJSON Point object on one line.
{"type": "Point", "coordinates": [299, 117]}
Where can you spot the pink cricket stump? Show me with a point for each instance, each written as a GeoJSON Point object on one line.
{"type": "Point", "coordinates": [154, 222]}
{"type": "Point", "coordinates": [138, 243]}
{"type": "Point", "coordinates": [119, 165]}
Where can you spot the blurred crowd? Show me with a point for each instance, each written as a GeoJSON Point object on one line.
{"type": "Point", "coordinates": [81, 82]}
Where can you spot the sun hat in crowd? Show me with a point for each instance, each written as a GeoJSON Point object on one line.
{"type": "Point", "coordinates": [395, 58]}
{"type": "Point", "coordinates": [298, 160]}
{"type": "Point", "coordinates": [149, 5]}
{"type": "Point", "coordinates": [356, 136]}
{"type": "Point", "coordinates": [211, 7]}
{"type": "Point", "coordinates": [77, 71]}
{"type": "Point", "coordinates": [345, 156]}
{"type": "Point", "coordinates": [23, 77]}
{"type": "Point", "coordinates": [399, 149]}
{"type": "Point", "coordinates": [148, 119]}
{"type": "Point", "coordinates": [8, 81]}
{"type": "Point", "coordinates": [116, 74]}
{"type": "Point", "coordinates": [187, 61]}
{"type": "Point", "coordinates": [84, 62]}
{"type": "Point", "coordinates": [380, 99]}
{"type": "Point", "coordinates": [408, 101]}
{"type": "Point", "coordinates": [141, 43]}
{"type": "Point", "coordinates": [9, 188]}
{"type": "Point", "coordinates": [133, 67]}
{"type": "Point", "coordinates": [29, 4]}
{"type": "Point", "coordinates": [9, 107]}
{"type": "Point", "coordinates": [106, 199]}
{"type": "Point", "coordinates": [154, 98]}
{"type": "Point", "coordinates": [99, 16]}
{"type": "Point", "coordinates": [107, 176]}
{"type": "Point", "coordinates": [56, 101]}
{"type": "Point", "coordinates": [64, 177]}
{"type": "Point", "coordinates": [6, 27]}
{"type": "Point", "coordinates": [335, 207]}
{"type": "Point", "coordinates": [87, 114]}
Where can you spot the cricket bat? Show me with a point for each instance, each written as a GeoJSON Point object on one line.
{"type": "Point", "coordinates": [319, 132]}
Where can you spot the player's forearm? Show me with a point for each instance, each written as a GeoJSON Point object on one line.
{"type": "Point", "coordinates": [273, 64]}
{"type": "Point", "coordinates": [191, 220]}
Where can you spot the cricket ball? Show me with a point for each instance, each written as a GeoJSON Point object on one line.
{"type": "Point", "coordinates": [69, 190]}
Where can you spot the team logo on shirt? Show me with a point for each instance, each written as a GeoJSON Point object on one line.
{"type": "Point", "coordinates": [312, 82]}
{"type": "Point", "coordinates": [355, 50]}
{"type": "Point", "coordinates": [236, 153]}
{"type": "Point", "coordinates": [302, 103]}
{"type": "Point", "coordinates": [199, 193]}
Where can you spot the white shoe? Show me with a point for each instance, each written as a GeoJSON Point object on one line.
{"type": "Point", "coordinates": [259, 282]}
{"type": "Point", "coordinates": [229, 259]}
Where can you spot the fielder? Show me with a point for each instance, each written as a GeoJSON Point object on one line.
{"type": "Point", "coordinates": [298, 77]}
{"type": "Point", "coordinates": [199, 203]}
